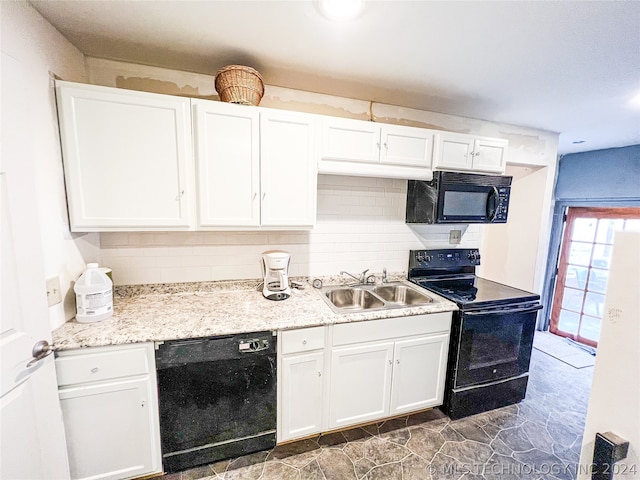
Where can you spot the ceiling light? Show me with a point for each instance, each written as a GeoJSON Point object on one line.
{"type": "Point", "coordinates": [341, 10]}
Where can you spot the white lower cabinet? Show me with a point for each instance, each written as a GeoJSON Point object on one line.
{"type": "Point", "coordinates": [360, 384]}
{"type": "Point", "coordinates": [418, 373]}
{"type": "Point", "coordinates": [347, 374]}
{"type": "Point", "coordinates": [109, 405]}
{"type": "Point", "coordinates": [302, 395]}
{"type": "Point", "coordinates": [301, 381]}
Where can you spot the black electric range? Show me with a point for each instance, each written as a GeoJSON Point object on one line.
{"type": "Point", "coordinates": [491, 335]}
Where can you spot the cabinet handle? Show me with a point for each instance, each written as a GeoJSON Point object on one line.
{"type": "Point", "coordinates": [378, 145]}
{"type": "Point", "coordinates": [390, 362]}
{"type": "Point", "coordinates": [385, 145]}
{"type": "Point", "coordinates": [304, 342]}
{"type": "Point", "coordinates": [264, 195]}
{"type": "Point", "coordinates": [180, 195]}
{"type": "Point", "coordinates": [94, 370]}
{"type": "Point", "coordinates": [398, 362]}
{"type": "Point", "coordinates": [254, 196]}
{"type": "Point", "coordinates": [319, 374]}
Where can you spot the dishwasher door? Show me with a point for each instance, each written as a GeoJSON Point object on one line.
{"type": "Point", "coordinates": [217, 398]}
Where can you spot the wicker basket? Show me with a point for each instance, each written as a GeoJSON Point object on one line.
{"type": "Point", "coordinates": [239, 84]}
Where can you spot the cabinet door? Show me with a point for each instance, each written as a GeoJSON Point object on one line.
{"type": "Point", "coordinates": [453, 151]}
{"type": "Point", "coordinates": [127, 158]}
{"type": "Point", "coordinates": [419, 373]}
{"type": "Point", "coordinates": [227, 145]}
{"type": "Point", "coordinates": [360, 384]}
{"type": "Point", "coordinates": [406, 146]}
{"type": "Point", "coordinates": [109, 429]}
{"type": "Point", "coordinates": [490, 155]}
{"type": "Point", "coordinates": [301, 400]}
{"type": "Point", "coordinates": [288, 169]}
{"type": "Point", "coordinates": [351, 140]}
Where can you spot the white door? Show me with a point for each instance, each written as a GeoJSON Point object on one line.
{"type": "Point", "coordinates": [351, 140]}
{"type": "Point", "coordinates": [453, 151]}
{"type": "Point", "coordinates": [127, 158]}
{"type": "Point", "coordinates": [490, 155]}
{"type": "Point", "coordinates": [418, 373]}
{"type": "Point", "coordinates": [227, 141]}
{"type": "Point", "coordinates": [360, 384]}
{"type": "Point", "coordinates": [288, 169]}
{"type": "Point", "coordinates": [406, 146]}
{"type": "Point", "coordinates": [301, 403]}
{"type": "Point", "coordinates": [108, 426]}
{"type": "Point", "coordinates": [32, 443]}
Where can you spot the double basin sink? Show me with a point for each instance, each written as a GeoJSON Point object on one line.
{"type": "Point", "coordinates": [360, 298]}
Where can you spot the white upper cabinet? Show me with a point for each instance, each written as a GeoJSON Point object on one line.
{"type": "Point", "coordinates": [288, 174]}
{"type": "Point", "coordinates": [255, 167]}
{"type": "Point", "coordinates": [127, 158]}
{"type": "Point", "coordinates": [227, 147]}
{"type": "Point", "coordinates": [357, 147]}
{"type": "Point", "coordinates": [457, 151]}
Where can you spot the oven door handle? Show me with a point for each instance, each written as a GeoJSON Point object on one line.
{"type": "Point", "coordinates": [534, 308]}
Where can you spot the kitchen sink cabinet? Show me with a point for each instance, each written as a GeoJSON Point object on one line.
{"type": "Point", "coordinates": [127, 158]}
{"type": "Point", "coordinates": [110, 411]}
{"type": "Point", "coordinates": [418, 373]}
{"type": "Point", "coordinates": [357, 147]}
{"type": "Point", "coordinates": [360, 384]}
{"type": "Point", "coordinates": [301, 383]}
{"type": "Point", "coordinates": [457, 151]}
{"type": "Point", "coordinates": [376, 374]}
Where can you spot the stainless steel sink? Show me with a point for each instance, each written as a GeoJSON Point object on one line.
{"type": "Point", "coordinates": [359, 298]}
{"type": "Point", "coordinates": [353, 298]}
{"type": "Point", "coordinates": [401, 295]}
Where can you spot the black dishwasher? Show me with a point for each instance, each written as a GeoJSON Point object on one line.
{"type": "Point", "coordinates": [217, 398]}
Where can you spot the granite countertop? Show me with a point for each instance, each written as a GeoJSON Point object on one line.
{"type": "Point", "coordinates": [146, 313]}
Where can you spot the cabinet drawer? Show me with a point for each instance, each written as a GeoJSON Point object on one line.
{"type": "Point", "coordinates": [302, 340]}
{"type": "Point", "coordinates": [74, 368]}
{"type": "Point", "coordinates": [388, 328]}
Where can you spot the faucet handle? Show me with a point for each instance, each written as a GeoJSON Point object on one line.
{"type": "Point", "coordinates": [384, 275]}
{"type": "Point", "coordinates": [363, 276]}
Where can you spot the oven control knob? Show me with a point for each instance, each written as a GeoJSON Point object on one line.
{"type": "Point", "coordinates": [427, 258]}
{"type": "Point", "coordinates": [419, 257]}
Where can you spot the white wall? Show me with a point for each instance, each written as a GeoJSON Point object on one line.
{"type": "Point", "coordinates": [43, 52]}
{"type": "Point", "coordinates": [515, 253]}
{"type": "Point", "coordinates": [614, 403]}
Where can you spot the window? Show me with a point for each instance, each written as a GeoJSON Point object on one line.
{"type": "Point", "coordinates": [583, 269]}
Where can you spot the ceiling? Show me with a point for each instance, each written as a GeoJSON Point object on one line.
{"type": "Point", "coordinates": [562, 66]}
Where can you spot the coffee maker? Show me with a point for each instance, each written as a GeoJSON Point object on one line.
{"type": "Point", "coordinates": [275, 271]}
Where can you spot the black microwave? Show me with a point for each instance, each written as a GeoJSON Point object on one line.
{"type": "Point", "coordinates": [453, 197]}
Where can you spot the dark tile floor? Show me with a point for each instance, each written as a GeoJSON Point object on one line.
{"type": "Point", "coordinates": [540, 438]}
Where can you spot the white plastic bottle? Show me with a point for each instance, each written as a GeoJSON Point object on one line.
{"type": "Point", "coordinates": [94, 295]}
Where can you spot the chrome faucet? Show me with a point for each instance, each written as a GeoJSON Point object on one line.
{"type": "Point", "coordinates": [362, 279]}
{"type": "Point", "coordinates": [384, 275]}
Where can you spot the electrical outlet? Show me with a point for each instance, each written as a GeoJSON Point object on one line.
{"type": "Point", "coordinates": [455, 236]}
{"type": "Point", "coordinates": [54, 295]}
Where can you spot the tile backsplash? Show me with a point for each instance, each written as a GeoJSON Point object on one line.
{"type": "Point", "coordinates": [360, 225]}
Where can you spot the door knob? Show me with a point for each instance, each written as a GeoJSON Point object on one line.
{"type": "Point", "coordinates": [40, 350]}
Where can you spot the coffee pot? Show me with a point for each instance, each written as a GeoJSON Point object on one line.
{"type": "Point", "coordinates": [275, 270]}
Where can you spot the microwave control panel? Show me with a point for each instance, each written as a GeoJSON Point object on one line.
{"type": "Point", "coordinates": [501, 209]}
